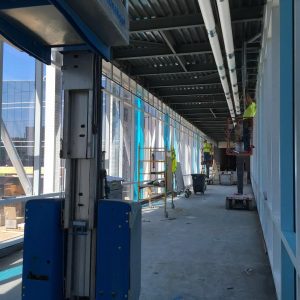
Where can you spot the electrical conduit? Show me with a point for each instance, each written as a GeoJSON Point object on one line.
{"type": "Point", "coordinates": [209, 21]}
{"type": "Point", "coordinates": [225, 18]}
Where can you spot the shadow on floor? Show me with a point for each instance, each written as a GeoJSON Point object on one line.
{"type": "Point", "coordinates": [204, 251]}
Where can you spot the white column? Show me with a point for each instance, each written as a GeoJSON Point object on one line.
{"type": "Point", "coordinates": [53, 98]}
{"type": "Point", "coordinates": [37, 126]}
{"type": "Point", "coordinates": [121, 138]}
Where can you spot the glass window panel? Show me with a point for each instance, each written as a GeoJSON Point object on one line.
{"type": "Point", "coordinates": [18, 108]}
{"type": "Point", "coordinates": [115, 146]}
{"type": "Point", "coordinates": [127, 143]}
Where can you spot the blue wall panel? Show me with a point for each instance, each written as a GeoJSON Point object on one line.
{"type": "Point", "coordinates": [288, 281]}
{"type": "Point", "coordinates": [286, 116]}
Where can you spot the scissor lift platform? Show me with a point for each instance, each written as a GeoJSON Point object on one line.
{"type": "Point", "coordinates": [240, 202]}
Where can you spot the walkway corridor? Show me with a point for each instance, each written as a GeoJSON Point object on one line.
{"type": "Point", "coordinates": [204, 252]}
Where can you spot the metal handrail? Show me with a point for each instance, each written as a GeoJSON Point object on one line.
{"type": "Point", "coordinates": [27, 198]}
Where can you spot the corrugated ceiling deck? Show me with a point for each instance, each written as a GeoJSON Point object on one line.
{"type": "Point", "coordinates": [169, 54]}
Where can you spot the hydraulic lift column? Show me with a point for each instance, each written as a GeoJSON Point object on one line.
{"type": "Point", "coordinates": [81, 147]}
{"type": "Point", "coordinates": [88, 247]}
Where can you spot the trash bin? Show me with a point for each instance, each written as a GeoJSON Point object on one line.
{"type": "Point", "coordinates": [199, 183]}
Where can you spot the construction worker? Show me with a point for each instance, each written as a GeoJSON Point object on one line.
{"type": "Point", "coordinates": [207, 148]}
{"type": "Point", "coordinates": [211, 153]}
{"type": "Point", "coordinates": [174, 161]}
{"type": "Point", "coordinates": [248, 116]}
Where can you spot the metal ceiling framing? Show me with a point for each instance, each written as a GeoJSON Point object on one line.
{"type": "Point", "coordinates": [170, 55]}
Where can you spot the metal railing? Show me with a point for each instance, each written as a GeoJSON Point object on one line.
{"type": "Point", "coordinates": [12, 213]}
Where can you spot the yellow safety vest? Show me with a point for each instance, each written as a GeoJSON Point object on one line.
{"type": "Point", "coordinates": [250, 111]}
{"type": "Point", "coordinates": [207, 147]}
{"type": "Point", "coordinates": [174, 162]}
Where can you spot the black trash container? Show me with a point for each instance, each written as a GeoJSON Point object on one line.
{"type": "Point", "coordinates": [199, 184]}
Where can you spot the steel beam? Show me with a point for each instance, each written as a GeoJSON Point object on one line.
{"type": "Point", "coordinates": [171, 44]}
{"type": "Point", "coordinates": [209, 121]}
{"type": "Point", "coordinates": [170, 70]}
{"type": "Point", "coordinates": [189, 105]}
{"type": "Point", "coordinates": [208, 118]}
{"type": "Point", "coordinates": [143, 43]}
{"type": "Point", "coordinates": [192, 20]}
{"type": "Point", "coordinates": [17, 35]}
{"type": "Point", "coordinates": [200, 108]}
{"type": "Point", "coordinates": [192, 83]}
{"type": "Point", "coordinates": [204, 126]}
{"type": "Point", "coordinates": [204, 114]}
{"type": "Point", "coordinates": [182, 50]}
{"type": "Point", "coordinates": [82, 28]}
{"type": "Point", "coordinates": [157, 84]}
{"type": "Point", "coordinates": [190, 92]}
{"type": "Point", "coordinates": [11, 4]}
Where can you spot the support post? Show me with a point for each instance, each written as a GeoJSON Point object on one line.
{"type": "Point", "coordinates": [52, 126]}
{"type": "Point", "coordinates": [240, 161]}
{"type": "Point", "coordinates": [37, 127]}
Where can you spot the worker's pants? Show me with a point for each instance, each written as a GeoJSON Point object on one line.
{"type": "Point", "coordinates": [207, 162]}
{"type": "Point", "coordinates": [246, 134]}
{"type": "Point", "coordinates": [207, 157]}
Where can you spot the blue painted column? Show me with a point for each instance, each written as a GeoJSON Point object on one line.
{"type": "Point", "coordinates": [176, 133]}
{"type": "Point", "coordinates": [167, 132]}
{"type": "Point", "coordinates": [286, 115]}
{"type": "Point", "coordinates": [288, 281]}
{"type": "Point", "coordinates": [138, 143]}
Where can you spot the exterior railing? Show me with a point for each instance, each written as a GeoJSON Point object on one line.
{"type": "Point", "coordinates": [12, 219]}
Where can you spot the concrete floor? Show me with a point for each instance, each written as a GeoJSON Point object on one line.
{"type": "Point", "coordinates": [204, 252]}
{"type": "Point", "coordinates": [201, 252]}
{"type": "Point", "coordinates": [10, 276]}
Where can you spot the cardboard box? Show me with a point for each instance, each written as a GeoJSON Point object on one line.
{"type": "Point", "coordinates": [10, 212]}
{"type": "Point", "coordinates": [2, 220]}
{"type": "Point", "coordinates": [226, 179]}
{"type": "Point", "coordinates": [13, 224]}
{"type": "Point", "coordinates": [12, 220]}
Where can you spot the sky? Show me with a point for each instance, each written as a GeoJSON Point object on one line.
{"type": "Point", "coordinates": [17, 65]}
